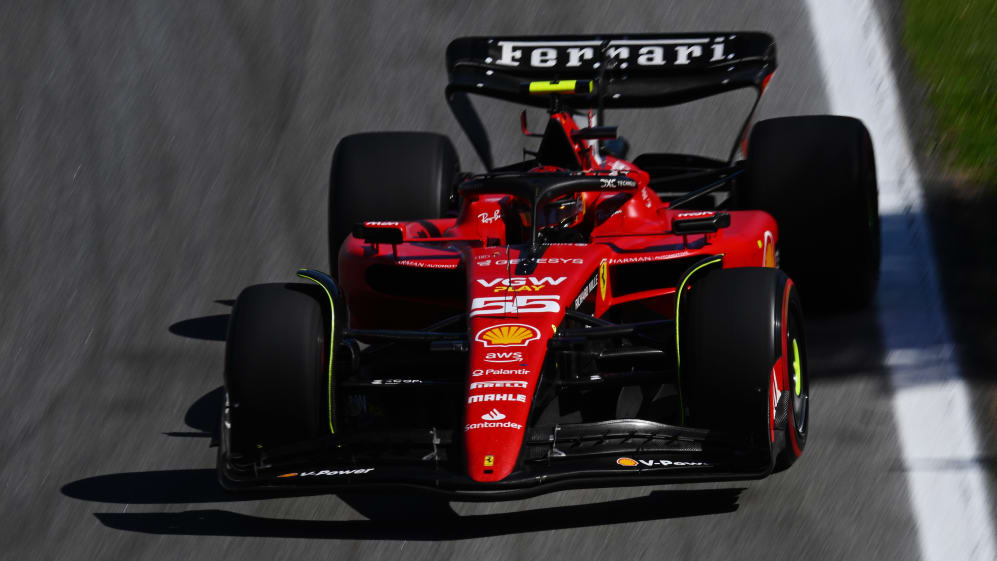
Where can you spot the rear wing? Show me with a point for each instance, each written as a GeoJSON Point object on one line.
{"type": "Point", "coordinates": [637, 70]}
{"type": "Point", "coordinates": [602, 71]}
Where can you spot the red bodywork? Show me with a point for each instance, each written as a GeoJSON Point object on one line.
{"type": "Point", "coordinates": [512, 317]}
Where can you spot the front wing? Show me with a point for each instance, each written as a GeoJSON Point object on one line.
{"type": "Point", "coordinates": [604, 454]}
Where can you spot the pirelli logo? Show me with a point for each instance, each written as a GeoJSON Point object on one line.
{"type": "Point", "coordinates": [639, 52]}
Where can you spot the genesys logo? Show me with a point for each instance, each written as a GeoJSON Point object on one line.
{"type": "Point", "coordinates": [499, 384]}
{"type": "Point", "coordinates": [511, 356]}
{"type": "Point", "coordinates": [324, 472]}
{"type": "Point", "coordinates": [630, 462]}
{"type": "Point", "coordinates": [499, 372]}
{"type": "Point", "coordinates": [510, 305]}
{"type": "Point", "coordinates": [507, 335]}
{"type": "Point", "coordinates": [521, 398]}
{"type": "Point", "coordinates": [521, 284]}
{"type": "Point", "coordinates": [541, 261]}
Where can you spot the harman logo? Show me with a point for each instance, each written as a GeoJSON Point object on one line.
{"type": "Point", "coordinates": [507, 335]}
{"type": "Point", "coordinates": [642, 52]}
{"type": "Point", "coordinates": [493, 415]}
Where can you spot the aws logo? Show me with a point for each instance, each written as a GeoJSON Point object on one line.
{"type": "Point", "coordinates": [511, 356]}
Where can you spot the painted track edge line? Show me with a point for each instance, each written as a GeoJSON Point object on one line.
{"type": "Point", "coordinates": [931, 406]}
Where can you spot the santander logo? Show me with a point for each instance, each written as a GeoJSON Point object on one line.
{"type": "Point", "coordinates": [493, 415]}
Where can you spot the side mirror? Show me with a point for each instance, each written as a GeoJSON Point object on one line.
{"type": "Point", "coordinates": [617, 148]}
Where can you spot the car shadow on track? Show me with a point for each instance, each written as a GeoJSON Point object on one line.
{"type": "Point", "coordinates": [390, 517]}
{"type": "Point", "coordinates": [403, 516]}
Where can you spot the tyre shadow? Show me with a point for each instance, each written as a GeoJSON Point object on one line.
{"type": "Point", "coordinates": [207, 328]}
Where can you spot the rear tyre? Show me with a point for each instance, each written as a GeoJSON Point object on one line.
{"type": "Point", "coordinates": [744, 334]}
{"type": "Point", "coordinates": [276, 367]}
{"type": "Point", "coordinates": [388, 176]}
{"type": "Point", "coordinates": [816, 176]}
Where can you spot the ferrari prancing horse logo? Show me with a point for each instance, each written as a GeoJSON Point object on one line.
{"type": "Point", "coordinates": [603, 279]}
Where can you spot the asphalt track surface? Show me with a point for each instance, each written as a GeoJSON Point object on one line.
{"type": "Point", "coordinates": [157, 157]}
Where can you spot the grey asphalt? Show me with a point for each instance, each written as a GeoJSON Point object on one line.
{"type": "Point", "coordinates": [157, 157]}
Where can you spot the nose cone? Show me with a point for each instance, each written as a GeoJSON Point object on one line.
{"type": "Point", "coordinates": [506, 359]}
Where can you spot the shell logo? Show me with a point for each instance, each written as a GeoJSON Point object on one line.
{"type": "Point", "coordinates": [507, 335]}
{"type": "Point", "coordinates": [626, 462]}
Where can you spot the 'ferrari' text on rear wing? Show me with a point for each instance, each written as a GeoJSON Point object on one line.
{"type": "Point", "coordinates": [635, 70]}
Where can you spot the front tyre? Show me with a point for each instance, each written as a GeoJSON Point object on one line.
{"type": "Point", "coordinates": [744, 361]}
{"type": "Point", "coordinates": [276, 368]}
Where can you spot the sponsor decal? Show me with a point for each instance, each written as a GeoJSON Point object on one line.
{"type": "Point", "coordinates": [642, 52]}
{"type": "Point", "coordinates": [630, 462]}
{"type": "Point", "coordinates": [359, 471]}
{"type": "Point", "coordinates": [698, 214]}
{"type": "Point", "coordinates": [499, 371]}
{"type": "Point", "coordinates": [541, 261]}
{"type": "Point", "coordinates": [507, 335]}
{"type": "Point", "coordinates": [521, 398]}
{"type": "Point", "coordinates": [768, 250]}
{"type": "Point", "coordinates": [616, 183]}
{"type": "Point", "coordinates": [493, 415]}
{"type": "Point", "coordinates": [499, 384]}
{"type": "Point", "coordinates": [493, 425]}
{"type": "Point", "coordinates": [603, 279]}
{"type": "Point", "coordinates": [586, 290]}
{"type": "Point", "coordinates": [427, 264]}
{"type": "Point", "coordinates": [649, 258]}
{"type": "Point", "coordinates": [509, 305]}
{"type": "Point", "coordinates": [520, 284]}
{"type": "Point", "coordinates": [486, 219]}
{"type": "Point", "coordinates": [511, 356]}
{"type": "Point", "coordinates": [393, 382]}
{"type": "Point", "coordinates": [489, 461]}
{"type": "Point", "coordinates": [380, 224]}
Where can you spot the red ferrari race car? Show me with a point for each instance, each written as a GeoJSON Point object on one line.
{"type": "Point", "coordinates": [575, 319]}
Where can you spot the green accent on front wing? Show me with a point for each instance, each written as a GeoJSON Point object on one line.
{"type": "Point", "coordinates": [332, 341]}
{"type": "Point", "coordinates": [797, 370]}
{"type": "Point", "coordinates": [678, 352]}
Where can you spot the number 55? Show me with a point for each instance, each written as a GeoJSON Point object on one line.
{"type": "Point", "coordinates": [504, 305]}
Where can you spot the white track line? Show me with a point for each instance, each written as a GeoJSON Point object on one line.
{"type": "Point", "coordinates": [933, 413]}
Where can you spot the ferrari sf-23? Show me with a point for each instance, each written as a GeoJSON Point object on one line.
{"type": "Point", "coordinates": [573, 319]}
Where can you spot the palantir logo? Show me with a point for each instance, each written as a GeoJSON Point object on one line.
{"type": "Point", "coordinates": [493, 415]}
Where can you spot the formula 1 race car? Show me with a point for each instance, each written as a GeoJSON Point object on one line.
{"type": "Point", "coordinates": [575, 319]}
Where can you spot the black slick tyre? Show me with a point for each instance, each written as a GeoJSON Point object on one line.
{"type": "Point", "coordinates": [816, 175]}
{"type": "Point", "coordinates": [276, 367]}
{"type": "Point", "coordinates": [744, 333]}
{"type": "Point", "coordinates": [388, 176]}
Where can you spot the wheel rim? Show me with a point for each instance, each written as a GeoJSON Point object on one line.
{"type": "Point", "coordinates": [799, 385]}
